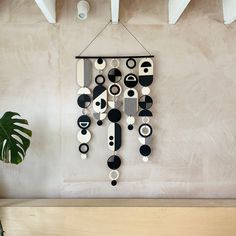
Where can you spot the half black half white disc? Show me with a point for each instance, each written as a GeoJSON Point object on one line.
{"type": "Point", "coordinates": [84, 122]}
{"type": "Point", "coordinates": [84, 72]}
{"type": "Point", "coordinates": [114, 136]}
{"type": "Point", "coordinates": [130, 80]}
{"type": "Point", "coordinates": [99, 99]}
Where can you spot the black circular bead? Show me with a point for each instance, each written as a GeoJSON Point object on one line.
{"type": "Point", "coordinates": [113, 182]}
{"type": "Point", "coordinates": [84, 122]}
{"type": "Point", "coordinates": [114, 115]}
{"type": "Point", "coordinates": [83, 148]}
{"type": "Point", "coordinates": [114, 89]}
{"type": "Point", "coordinates": [145, 150]}
{"type": "Point", "coordinates": [100, 77]}
{"type": "Point", "coordinates": [131, 93]}
{"type": "Point", "coordinates": [130, 127]}
{"type": "Point", "coordinates": [114, 75]}
{"type": "Point", "coordinates": [114, 162]}
{"type": "Point", "coordinates": [84, 131]}
{"type": "Point", "coordinates": [99, 122]}
{"type": "Point", "coordinates": [143, 126]}
{"type": "Point", "coordinates": [100, 60]}
{"type": "Point", "coordinates": [84, 100]}
{"type": "Point", "coordinates": [111, 137]}
{"type": "Point", "coordinates": [111, 143]}
{"type": "Point", "coordinates": [131, 63]}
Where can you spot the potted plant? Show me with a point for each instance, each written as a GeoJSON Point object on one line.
{"type": "Point", "coordinates": [14, 141]}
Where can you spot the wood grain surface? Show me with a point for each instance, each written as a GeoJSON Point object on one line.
{"type": "Point", "coordinates": [103, 219]}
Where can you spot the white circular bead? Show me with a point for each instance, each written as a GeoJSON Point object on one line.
{"type": "Point", "coordinates": [115, 63]}
{"type": "Point", "coordinates": [145, 90]}
{"type": "Point", "coordinates": [84, 111]}
{"type": "Point", "coordinates": [130, 120]}
{"type": "Point", "coordinates": [84, 138]}
{"type": "Point", "coordinates": [84, 156]}
{"type": "Point", "coordinates": [145, 119]}
{"type": "Point", "coordinates": [145, 159]}
{"type": "Point", "coordinates": [114, 175]}
{"type": "Point", "coordinates": [100, 66]}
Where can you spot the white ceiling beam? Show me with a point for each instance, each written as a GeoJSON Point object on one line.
{"type": "Point", "coordinates": [229, 10]}
{"type": "Point", "coordinates": [115, 4]}
{"type": "Point", "coordinates": [48, 8]}
{"type": "Point", "coordinates": [176, 8]}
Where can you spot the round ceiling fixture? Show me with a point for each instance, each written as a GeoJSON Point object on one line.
{"type": "Point", "coordinates": [83, 9]}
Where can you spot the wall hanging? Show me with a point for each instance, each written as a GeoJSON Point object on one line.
{"type": "Point", "coordinates": [108, 101]}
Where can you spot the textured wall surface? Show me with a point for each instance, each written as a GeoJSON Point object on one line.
{"type": "Point", "coordinates": [194, 143]}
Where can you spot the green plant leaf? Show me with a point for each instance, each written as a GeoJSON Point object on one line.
{"type": "Point", "coordinates": [14, 138]}
{"type": "Point", "coordinates": [1, 229]}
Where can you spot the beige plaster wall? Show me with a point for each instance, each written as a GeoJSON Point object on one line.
{"type": "Point", "coordinates": [194, 145]}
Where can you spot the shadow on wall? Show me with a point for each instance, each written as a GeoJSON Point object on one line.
{"type": "Point", "coordinates": [3, 189]}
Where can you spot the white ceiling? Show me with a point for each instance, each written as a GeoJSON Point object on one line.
{"type": "Point", "coordinates": [175, 7]}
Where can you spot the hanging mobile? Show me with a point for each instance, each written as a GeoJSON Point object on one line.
{"type": "Point", "coordinates": [130, 94]}
{"type": "Point", "coordinates": [100, 101]}
{"type": "Point", "coordinates": [100, 93]}
{"type": "Point", "coordinates": [145, 103]}
{"type": "Point", "coordinates": [84, 79]}
{"type": "Point", "coordinates": [114, 116]}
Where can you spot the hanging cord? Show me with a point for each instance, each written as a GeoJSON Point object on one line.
{"type": "Point", "coordinates": [135, 38]}
{"type": "Point", "coordinates": [101, 31]}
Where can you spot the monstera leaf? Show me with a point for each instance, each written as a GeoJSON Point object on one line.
{"type": "Point", "coordinates": [14, 138]}
{"type": "Point", "coordinates": [1, 230]}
